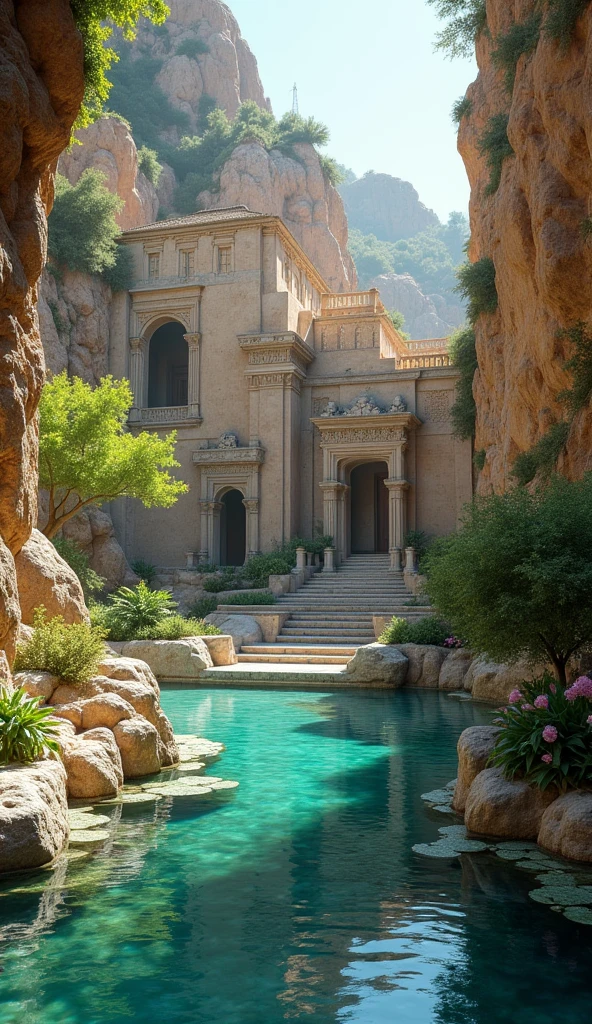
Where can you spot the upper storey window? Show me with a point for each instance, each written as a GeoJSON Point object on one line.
{"type": "Point", "coordinates": [153, 265]}
{"type": "Point", "coordinates": [225, 259]}
{"type": "Point", "coordinates": [187, 263]}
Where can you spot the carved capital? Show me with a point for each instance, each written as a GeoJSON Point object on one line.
{"type": "Point", "coordinates": [136, 344]}
{"type": "Point", "coordinates": [192, 340]}
{"type": "Point", "coordinates": [251, 504]}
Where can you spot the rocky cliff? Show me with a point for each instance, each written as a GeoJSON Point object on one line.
{"type": "Point", "coordinates": [297, 191]}
{"type": "Point", "coordinates": [533, 226]}
{"type": "Point", "coordinates": [41, 91]}
{"type": "Point", "coordinates": [388, 207]}
{"type": "Point", "coordinates": [426, 316]}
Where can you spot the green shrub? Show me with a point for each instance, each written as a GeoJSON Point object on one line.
{"type": "Point", "coordinates": [476, 284]}
{"type": "Point", "coordinates": [192, 48]}
{"type": "Point", "coordinates": [205, 105]}
{"type": "Point", "coordinates": [332, 171]}
{"type": "Point", "coordinates": [585, 228]}
{"type": "Point", "coordinates": [277, 563]}
{"type": "Point", "coordinates": [175, 627]}
{"type": "Point", "coordinates": [562, 759]}
{"type": "Point", "coordinates": [145, 570]}
{"type": "Point", "coordinates": [149, 165]}
{"type": "Point", "coordinates": [515, 579]}
{"type": "Point", "coordinates": [142, 102]}
{"type": "Point", "coordinates": [580, 366]}
{"type": "Point", "coordinates": [398, 321]}
{"type": "Point", "coordinates": [466, 19]}
{"type": "Point", "coordinates": [495, 146]}
{"type": "Point", "coordinates": [479, 459]}
{"type": "Point", "coordinates": [72, 652]}
{"type": "Point", "coordinates": [430, 630]}
{"type": "Point", "coordinates": [202, 607]}
{"type": "Point", "coordinates": [207, 567]}
{"type": "Point", "coordinates": [130, 611]}
{"type": "Point", "coordinates": [248, 597]}
{"type": "Point", "coordinates": [562, 18]}
{"type": "Point", "coordinates": [518, 40]}
{"type": "Point", "coordinates": [228, 579]}
{"type": "Point", "coordinates": [419, 540]}
{"type": "Point", "coordinates": [81, 226]}
{"type": "Point", "coordinates": [543, 455]}
{"type": "Point", "coordinates": [26, 730]}
{"type": "Point", "coordinates": [462, 108]}
{"type": "Point", "coordinates": [464, 356]}
{"type": "Point", "coordinates": [90, 581]}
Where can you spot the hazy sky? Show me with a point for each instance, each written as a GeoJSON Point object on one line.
{"type": "Point", "coordinates": [368, 71]}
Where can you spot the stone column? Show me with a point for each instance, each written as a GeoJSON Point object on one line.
{"type": "Point", "coordinates": [213, 510]}
{"type": "Point", "coordinates": [331, 491]}
{"type": "Point", "coordinates": [193, 342]}
{"type": "Point", "coordinates": [300, 559]}
{"type": "Point", "coordinates": [340, 544]}
{"type": "Point", "coordinates": [252, 538]}
{"type": "Point", "coordinates": [328, 564]}
{"type": "Point", "coordinates": [204, 552]}
{"type": "Point", "coordinates": [396, 489]}
{"type": "Point", "coordinates": [137, 377]}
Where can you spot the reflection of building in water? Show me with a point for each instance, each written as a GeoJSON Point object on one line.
{"type": "Point", "coordinates": [293, 405]}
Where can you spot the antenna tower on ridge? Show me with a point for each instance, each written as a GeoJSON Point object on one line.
{"type": "Point", "coordinates": [295, 99]}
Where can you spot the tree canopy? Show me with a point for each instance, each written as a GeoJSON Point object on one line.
{"type": "Point", "coordinates": [87, 457]}
{"type": "Point", "coordinates": [515, 580]}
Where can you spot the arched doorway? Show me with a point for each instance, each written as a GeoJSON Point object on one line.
{"type": "Point", "coordinates": [369, 508]}
{"type": "Point", "coordinates": [233, 529]}
{"type": "Point", "coordinates": [168, 366]}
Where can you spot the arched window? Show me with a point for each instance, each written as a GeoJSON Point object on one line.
{"type": "Point", "coordinates": [168, 366]}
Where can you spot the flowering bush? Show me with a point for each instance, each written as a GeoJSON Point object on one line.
{"type": "Point", "coordinates": [546, 735]}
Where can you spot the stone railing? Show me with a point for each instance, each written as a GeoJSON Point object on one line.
{"type": "Point", "coordinates": [351, 301]}
{"type": "Point", "coordinates": [164, 414]}
{"type": "Point", "coordinates": [435, 346]}
{"type": "Point", "coordinates": [424, 362]}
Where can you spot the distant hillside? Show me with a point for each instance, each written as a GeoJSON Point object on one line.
{"type": "Point", "coordinates": [387, 207]}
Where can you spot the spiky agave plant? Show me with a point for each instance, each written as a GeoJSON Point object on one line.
{"type": "Point", "coordinates": [136, 609]}
{"type": "Point", "coordinates": [26, 730]}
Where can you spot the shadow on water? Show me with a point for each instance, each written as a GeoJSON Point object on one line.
{"type": "Point", "coordinates": [300, 899]}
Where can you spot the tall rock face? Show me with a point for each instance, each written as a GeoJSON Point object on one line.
{"type": "Point", "coordinates": [532, 228]}
{"type": "Point", "coordinates": [298, 192]}
{"type": "Point", "coordinates": [225, 69]}
{"type": "Point", "coordinates": [426, 316]}
{"type": "Point", "coordinates": [41, 90]}
{"type": "Point", "coordinates": [108, 147]}
{"type": "Point", "coordinates": [387, 207]}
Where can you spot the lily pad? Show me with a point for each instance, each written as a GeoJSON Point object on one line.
{"type": "Point", "coordinates": [557, 878]}
{"type": "Point", "coordinates": [443, 808]}
{"type": "Point", "coordinates": [581, 915]}
{"type": "Point", "coordinates": [441, 849]}
{"type": "Point", "coordinates": [470, 845]}
{"type": "Point", "coordinates": [516, 844]}
{"type": "Point", "coordinates": [451, 785]}
{"type": "Point", "coordinates": [82, 821]}
{"type": "Point", "coordinates": [563, 895]}
{"type": "Point", "coordinates": [436, 796]}
{"type": "Point", "coordinates": [511, 854]}
{"type": "Point", "coordinates": [177, 789]}
{"type": "Point", "coordinates": [224, 784]}
{"type": "Point", "coordinates": [190, 766]}
{"type": "Point", "coordinates": [454, 830]}
{"type": "Point", "coordinates": [531, 865]}
{"type": "Point", "coordinates": [82, 837]}
{"type": "Point", "coordinates": [140, 798]}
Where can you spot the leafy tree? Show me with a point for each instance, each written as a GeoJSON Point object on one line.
{"type": "Point", "coordinates": [149, 165]}
{"type": "Point", "coordinates": [465, 19]}
{"type": "Point", "coordinates": [515, 580]}
{"type": "Point", "coordinates": [543, 455]}
{"type": "Point", "coordinates": [119, 277]}
{"type": "Point", "coordinates": [192, 48]}
{"type": "Point", "coordinates": [86, 456]}
{"type": "Point", "coordinates": [142, 102]}
{"type": "Point", "coordinates": [95, 20]}
{"type": "Point", "coordinates": [81, 226]}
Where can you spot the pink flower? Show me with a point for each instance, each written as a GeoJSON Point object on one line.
{"type": "Point", "coordinates": [553, 688]}
{"type": "Point", "coordinates": [527, 707]}
{"type": "Point", "coordinates": [589, 719]}
{"type": "Point", "coordinates": [542, 701]}
{"type": "Point", "coordinates": [550, 734]}
{"type": "Point", "coordinates": [581, 688]}
{"type": "Point", "coordinates": [547, 758]}
{"type": "Point", "coordinates": [515, 697]}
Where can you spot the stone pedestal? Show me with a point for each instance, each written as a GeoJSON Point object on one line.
{"type": "Point", "coordinates": [329, 564]}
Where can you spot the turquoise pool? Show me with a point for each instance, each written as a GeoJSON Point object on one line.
{"type": "Point", "coordinates": [296, 898]}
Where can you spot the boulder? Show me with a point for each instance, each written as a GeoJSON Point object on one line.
{"type": "Point", "coordinates": [474, 746]}
{"type": "Point", "coordinates": [65, 734]}
{"type": "Point", "coordinates": [492, 681]}
{"type": "Point", "coordinates": [6, 681]}
{"type": "Point", "coordinates": [377, 665]}
{"type": "Point", "coordinates": [243, 629]}
{"type": "Point", "coordinates": [105, 710]}
{"type": "Point", "coordinates": [221, 648]}
{"type": "Point", "coordinates": [141, 696]}
{"type": "Point", "coordinates": [171, 660]}
{"type": "Point", "coordinates": [128, 668]}
{"type": "Point", "coordinates": [70, 713]}
{"type": "Point", "coordinates": [496, 806]}
{"type": "Point", "coordinates": [92, 770]}
{"type": "Point", "coordinates": [425, 663]}
{"type": "Point", "coordinates": [106, 737]}
{"type": "Point", "coordinates": [566, 826]}
{"type": "Point", "coordinates": [138, 742]}
{"type": "Point", "coordinates": [46, 579]}
{"type": "Point", "coordinates": [34, 826]}
{"type": "Point", "coordinates": [71, 693]}
{"type": "Point", "coordinates": [168, 750]}
{"type": "Point", "coordinates": [454, 669]}
{"type": "Point", "coordinates": [37, 684]}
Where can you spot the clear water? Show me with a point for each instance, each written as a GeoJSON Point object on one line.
{"type": "Point", "coordinates": [298, 897]}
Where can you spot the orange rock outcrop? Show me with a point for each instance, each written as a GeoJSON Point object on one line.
{"type": "Point", "coordinates": [532, 229]}
{"type": "Point", "coordinates": [41, 90]}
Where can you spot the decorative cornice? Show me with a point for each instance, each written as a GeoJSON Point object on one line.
{"type": "Point", "coordinates": [228, 456]}
{"type": "Point", "coordinates": [276, 348]}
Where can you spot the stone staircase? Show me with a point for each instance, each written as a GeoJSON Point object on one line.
{"type": "Point", "coordinates": [332, 614]}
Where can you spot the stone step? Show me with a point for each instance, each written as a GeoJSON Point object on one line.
{"type": "Point", "coordinates": [318, 677]}
{"type": "Point", "coordinates": [294, 659]}
{"type": "Point", "coordinates": [329, 638]}
{"type": "Point", "coordinates": [316, 649]}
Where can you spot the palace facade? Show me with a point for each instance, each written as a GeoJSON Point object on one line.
{"type": "Point", "coordinates": [296, 410]}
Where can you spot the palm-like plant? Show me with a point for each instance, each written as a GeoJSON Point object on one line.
{"type": "Point", "coordinates": [136, 609]}
{"type": "Point", "coordinates": [26, 730]}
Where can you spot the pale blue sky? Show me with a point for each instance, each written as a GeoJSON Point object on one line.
{"type": "Point", "coordinates": [368, 71]}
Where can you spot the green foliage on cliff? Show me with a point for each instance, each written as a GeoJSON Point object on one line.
{"type": "Point", "coordinates": [543, 455]}
{"type": "Point", "coordinates": [465, 20]}
{"type": "Point", "coordinates": [333, 172]}
{"type": "Point", "coordinates": [87, 457]}
{"type": "Point", "coordinates": [192, 48]}
{"type": "Point", "coordinates": [462, 108]}
{"type": "Point", "coordinates": [142, 102]}
{"type": "Point", "coordinates": [515, 580]}
{"type": "Point", "coordinates": [495, 146]}
{"type": "Point", "coordinates": [462, 351]}
{"type": "Point", "coordinates": [520, 38]}
{"type": "Point", "coordinates": [476, 284]}
{"type": "Point", "coordinates": [562, 18]}
{"type": "Point", "coordinates": [95, 20]}
{"type": "Point", "coordinates": [149, 165]}
{"type": "Point", "coordinates": [580, 366]}
{"type": "Point", "coordinates": [398, 321]}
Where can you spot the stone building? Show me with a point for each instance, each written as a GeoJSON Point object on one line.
{"type": "Point", "coordinates": [296, 410]}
